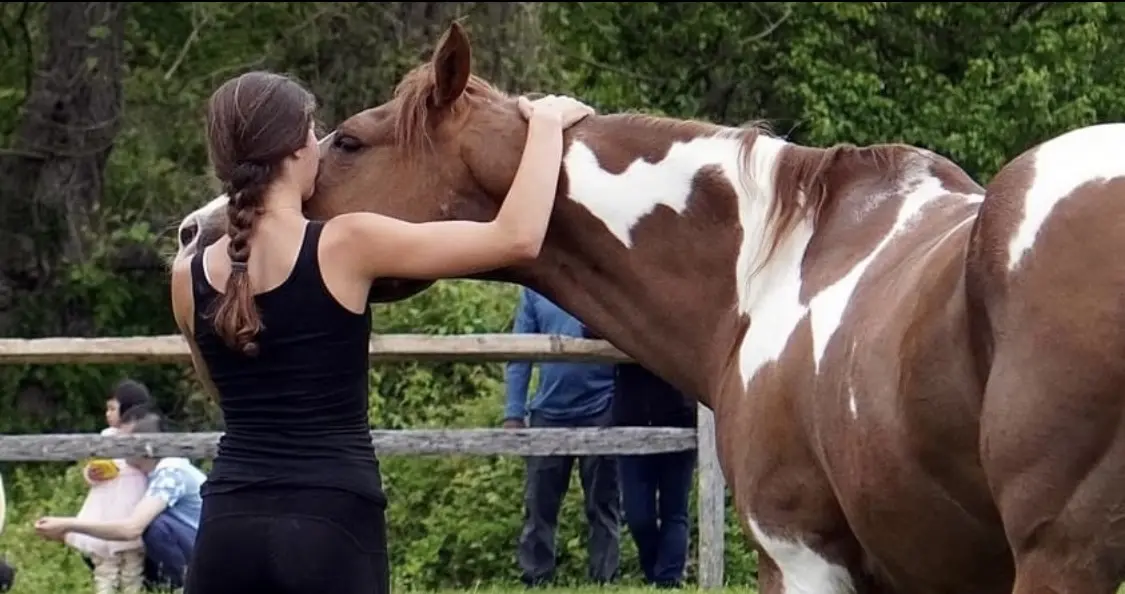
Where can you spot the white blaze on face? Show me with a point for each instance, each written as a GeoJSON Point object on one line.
{"type": "Point", "coordinates": [1059, 167]}
{"type": "Point", "coordinates": [324, 143]}
{"type": "Point", "coordinates": [196, 223]}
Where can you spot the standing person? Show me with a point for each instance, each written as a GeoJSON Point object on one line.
{"type": "Point", "coordinates": [165, 519]}
{"type": "Point", "coordinates": [568, 395]}
{"type": "Point", "coordinates": [655, 488]}
{"type": "Point", "coordinates": [115, 489]}
{"type": "Point", "coordinates": [277, 317]}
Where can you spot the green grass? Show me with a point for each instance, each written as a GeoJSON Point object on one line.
{"type": "Point", "coordinates": [490, 590]}
{"type": "Point", "coordinates": [510, 590]}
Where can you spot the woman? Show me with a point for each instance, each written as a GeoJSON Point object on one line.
{"type": "Point", "coordinates": [277, 317]}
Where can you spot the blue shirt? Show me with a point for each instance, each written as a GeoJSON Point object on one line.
{"type": "Point", "coordinates": [176, 482]}
{"type": "Point", "coordinates": [566, 390]}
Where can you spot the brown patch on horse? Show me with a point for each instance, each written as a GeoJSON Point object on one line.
{"type": "Point", "coordinates": [619, 140]}
{"type": "Point", "coordinates": [675, 278]}
{"type": "Point", "coordinates": [867, 183]}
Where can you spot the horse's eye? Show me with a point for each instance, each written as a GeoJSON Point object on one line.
{"type": "Point", "coordinates": [348, 144]}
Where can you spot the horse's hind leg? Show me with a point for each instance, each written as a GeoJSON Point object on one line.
{"type": "Point", "coordinates": [1054, 454]}
{"type": "Point", "coordinates": [1046, 279]}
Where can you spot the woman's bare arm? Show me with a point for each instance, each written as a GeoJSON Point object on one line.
{"type": "Point", "coordinates": [183, 310]}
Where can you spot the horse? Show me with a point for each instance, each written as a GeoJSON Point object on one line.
{"type": "Point", "coordinates": [914, 377]}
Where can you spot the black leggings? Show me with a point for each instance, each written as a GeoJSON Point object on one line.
{"type": "Point", "coordinates": [290, 541]}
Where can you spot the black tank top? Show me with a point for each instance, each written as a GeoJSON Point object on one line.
{"type": "Point", "coordinates": [296, 414]}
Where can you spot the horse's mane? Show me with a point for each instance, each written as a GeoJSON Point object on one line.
{"type": "Point", "coordinates": [414, 94]}
{"type": "Point", "coordinates": [802, 187]}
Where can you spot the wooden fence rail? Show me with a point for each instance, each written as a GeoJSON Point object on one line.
{"type": "Point", "coordinates": [384, 347]}
{"type": "Point", "coordinates": [397, 347]}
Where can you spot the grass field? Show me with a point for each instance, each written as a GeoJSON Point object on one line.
{"type": "Point", "coordinates": [510, 590]}
{"type": "Point", "coordinates": [586, 591]}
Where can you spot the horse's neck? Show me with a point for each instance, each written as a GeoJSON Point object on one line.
{"type": "Point", "coordinates": [663, 254]}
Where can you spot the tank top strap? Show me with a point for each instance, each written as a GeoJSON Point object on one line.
{"type": "Point", "coordinates": [201, 290]}
{"type": "Point", "coordinates": [308, 261]}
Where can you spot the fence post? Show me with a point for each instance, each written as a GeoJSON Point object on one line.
{"type": "Point", "coordinates": [712, 503]}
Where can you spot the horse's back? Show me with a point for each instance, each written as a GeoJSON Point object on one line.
{"type": "Point", "coordinates": [1046, 276]}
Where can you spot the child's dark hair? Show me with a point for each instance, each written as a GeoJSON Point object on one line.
{"type": "Point", "coordinates": [129, 394]}
{"type": "Point", "coordinates": [144, 418]}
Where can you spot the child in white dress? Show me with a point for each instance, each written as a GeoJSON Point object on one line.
{"type": "Point", "coordinates": [118, 565]}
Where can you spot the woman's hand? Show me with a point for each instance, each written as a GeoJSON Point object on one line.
{"type": "Point", "coordinates": [569, 110]}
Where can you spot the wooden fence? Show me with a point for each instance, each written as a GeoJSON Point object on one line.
{"type": "Point", "coordinates": [397, 347]}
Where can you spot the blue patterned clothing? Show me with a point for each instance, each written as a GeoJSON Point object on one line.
{"type": "Point", "coordinates": [176, 481]}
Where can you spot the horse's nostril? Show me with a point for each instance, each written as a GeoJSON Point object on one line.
{"type": "Point", "coordinates": [187, 233]}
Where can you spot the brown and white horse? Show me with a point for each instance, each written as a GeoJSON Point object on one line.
{"type": "Point", "coordinates": [916, 382]}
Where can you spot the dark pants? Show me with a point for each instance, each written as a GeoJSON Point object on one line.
{"type": "Point", "coordinates": [290, 541]}
{"type": "Point", "coordinates": [168, 549]}
{"type": "Point", "coordinates": [7, 576]}
{"type": "Point", "coordinates": [655, 489]}
{"type": "Point", "coordinates": [547, 480]}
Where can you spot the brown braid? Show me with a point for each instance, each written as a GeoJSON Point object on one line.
{"type": "Point", "coordinates": [255, 121]}
{"type": "Point", "coordinates": [237, 319]}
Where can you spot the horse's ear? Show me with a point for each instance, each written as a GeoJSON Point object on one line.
{"type": "Point", "coordinates": [452, 63]}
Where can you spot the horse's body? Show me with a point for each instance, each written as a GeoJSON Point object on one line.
{"type": "Point", "coordinates": [898, 408]}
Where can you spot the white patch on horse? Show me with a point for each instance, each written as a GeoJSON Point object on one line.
{"type": "Point", "coordinates": [828, 306]}
{"type": "Point", "coordinates": [768, 294]}
{"type": "Point", "coordinates": [803, 570]}
{"type": "Point", "coordinates": [852, 407]}
{"type": "Point", "coordinates": [1059, 167]}
{"type": "Point", "coordinates": [621, 200]}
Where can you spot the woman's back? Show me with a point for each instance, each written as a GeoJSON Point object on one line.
{"type": "Point", "coordinates": [296, 411]}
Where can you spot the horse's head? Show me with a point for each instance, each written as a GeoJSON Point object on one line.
{"type": "Point", "coordinates": [208, 223]}
{"type": "Point", "coordinates": [446, 146]}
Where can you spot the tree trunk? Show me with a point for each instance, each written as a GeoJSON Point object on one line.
{"type": "Point", "coordinates": [52, 178]}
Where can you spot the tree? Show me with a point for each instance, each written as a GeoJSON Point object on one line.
{"type": "Point", "coordinates": [54, 174]}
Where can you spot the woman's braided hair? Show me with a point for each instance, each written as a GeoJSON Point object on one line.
{"type": "Point", "coordinates": [254, 122]}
